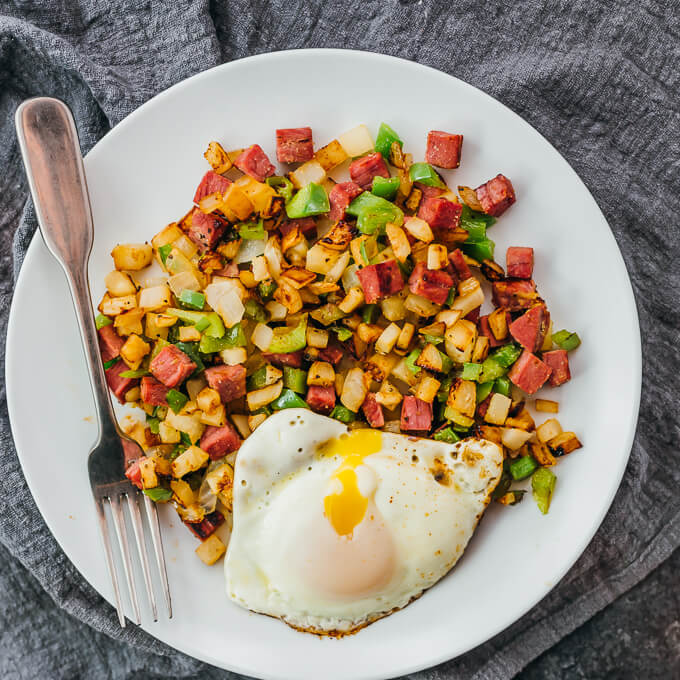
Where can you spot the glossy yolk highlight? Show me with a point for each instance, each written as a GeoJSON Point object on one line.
{"type": "Point", "coordinates": [346, 508]}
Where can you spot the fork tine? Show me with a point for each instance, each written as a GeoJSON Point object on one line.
{"type": "Point", "coordinates": [141, 548]}
{"type": "Point", "coordinates": [119, 521]}
{"type": "Point", "coordinates": [104, 527]}
{"type": "Point", "coordinates": [152, 515]}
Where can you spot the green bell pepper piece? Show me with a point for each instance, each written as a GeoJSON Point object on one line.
{"type": "Point", "coordinates": [446, 435]}
{"type": "Point", "coordinates": [411, 360]}
{"type": "Point", "coordinates": [153, 424]}
{"type": "Point", "coordinates": [158, 494]}
{"type": "Point", "coordinates": [343, 414]}
{"type": "Point", "coordinates": [164, 251]}
{"type": "Point", "coordinates": [484, 390]}
{"type": "Point", "coordinates": [295, 379]}
{"type": "Point", "coordinates": [108, 364]}
{"type": "Point", "coordinates": [288, 399]}
{"type": "Point", "coordinates": [370, 313]}
{"type": "Point", "coordinates": [444, 388]}
{"type": "Point", "coordinates": [266, 290]}
{"type": "Point", "coordinates": [215, 328]}
{"type": "Point", "coordinates": [384, 187]}
{"type": "Point", "coordinates": [310, 200]}
{"type": "Point", "coordinates": [491, 370]}
{"type": "Point", "coordinates": [140, 373]}
{"type": "Point", "coordinates": [101, 321]}
{"type": "Point", "coordinates": [258, 379]}
{"type": "Point", "coordinates": [386, 137]}
{"type": "Point", "coordinates": [283, 186]}
{"type": "Point", "coordinates": [251, 231]}
{"type": "Point", "coordinates": [479, 250]}
{"type": "Point", "coordinates": [342, 332]}
{"type": "Point", "coordinates": [507, 355]}
{"type": "Point", "coordinates": [523, 467]}
{"type": "Point", "coordinates": [192, 298]}
{"type": "Point", "coordinates": [503, 484]}
{"type": "Point", "coordinates": [469, 216]}
{"type": "Point", "coordinates": [476, 231]}
{"type": "Point", "coordinates": [373, 213]}
{"type": "Point", "coordinates": [288, 340]}
{"type": "Point", "coordinates": [566, 340]}
{"type": "Point", "coordinates": [542, 488]}
{"type": "Point", "coordinates": [176, 400]}
{"type": "Point", "coordinates": [458, 419]}
{"type": "Point", "coordinates": [425, 174]}
{"type": "Point", "coordinates": [255, 311]}
{"type": "Point", "coordinates": [502, 386]}
{"type": "Point", "coordinates": [233, 337]}
{"type": "Point", "coordinates": [471, 371]}
{"type": "Point", "coordinates": [201, 325]}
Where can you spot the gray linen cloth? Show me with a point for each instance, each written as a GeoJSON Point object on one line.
{"type": "Point", "coordinates": [598, 79]}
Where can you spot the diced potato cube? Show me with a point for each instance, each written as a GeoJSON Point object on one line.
{"type": "Point", "coordinates": [498, 323]}
{"type": "Point", "coordinates": [388, 339]}
{"type": "Point", "coordinates": [240, 421]}
{"type": "Point", "coordinates": [191, 460]}
{"type": "Point", "coordinates": [448, 316]}
{"type": "Point", "coordinates": [420, 305]}
{"type": "Point", "coordinates": [235, 204]}
{"type": "Point", "coordinates": [230, 308]}
{"type": "Point", "coordinates": [402, 372]}
{"type": "Point", "coordinates": [183, 493]}
{"type": "Point", "coordinates": [247, 279]}
{"type": "Point", "coordinates": [211, 202]}
{"type": "Point", "coordinates": [463, 397]}
{"type": "Point", "coordinates": [419, 229]}
{"type": "Point", "coordinates": [370, 249]}
{"type": "Point", "coordinates": [430, 358]}
{"type": "Point", "coordinates": [260, 269]}
{"type": "Point", "coordinates": [256, 420]}
{"type": "Point", "coordinates": [311, 171]}
{"type": "Point", "coordinates": [320, 260]}
{"type": "Point", "coordinates": [419, 252]}
{"type": "Point", "coordinates": [288, 296]}
{"type": "Point", "coordinates": [493, 434]}
{"type": "Point", "coordinates": [542, 453]}
{"type": "Point", "coordinates": [134, 350]}
{"type": "Point", "coordinates": [356, 141]}
{"type": "Point", "coordinates": [130, 322]}
{"type": "Point", "coordinates": [398, 241]}
{"type": "Point", "coordinates": [317, 337]}
{"type": "Point", "coordinates": [471, 299]}
{"type": "Point", "coordinates": [156, 297]}
{"type": "Point", "coordinates": [221, 483]}
{"type": "Point", "coordinates": [259, 398]}
{"type": "Point", "coordinates": [147, 468]}
{"type": "Point", "coordinates": [114, 306]}
{"type": "Point", "coordinates": [163, 465]}
{"type": "Point", "coordinates": [189, 334]}
{"type": "Point", "coordinates": [499, 406]}
{"type": "Point", "coordinates": [548, 430]}
{"type": "Point", "coordinates": [514, 438]}
{"type": "Point", "coordinates": [186, 246]}
{"type": "Point", "coordinates": [369, 332]}
{"type": "Point", "coordinates": [168, 434]}
{"type": "Point", "coordinates": [234, 356]}
{"type": "Point", "coordinates": [354, 298]}
{"type": "Point", "coordinates": [217, 157]}
{"type": "Point", "coordinates": [262, 336]}
{"type": "Point", "coordinates": [331, 155]}
{"type": "Point", "coordinates": [460, 340]}
{"type": "Point", "coordinates": [564, 443]}
{"type": "Point", "coordinates": [133, 394]}
{"type": "Point", "coordinates": [259, 194]}
{"type": "Point", "coordinates": [437, 256]}
{"type": "Point", "coordinates": [521, 420]}
{"type": "Point", "coordinates": [547, 406]}
{"type": "Point", "coordinates": [208, 400]}
{"type": "Point", "coordinates": [388, 395]}
{"type": "Point", "coordinates": [119, 284]}
{"type": "Point", "coordinates": [166, 236]}
{"type": "Point", "coordinates": [211, 550]}
{"type": "Point", "coordinates": [427, 387]}
{"type": "Point", "coordinates": [132, 256]}
{"type": "Point", "coordinates": [379, 366]}
{"type": "Point", "coordinates": [393, 307]}
{"type": "Point", "coordinates": [354, 389]}
{"type": "Point", "coordinates": [405, 336]}
{"type": "Point", "coordinates": [481, 350]}
{"type": "Point", "coordinates": [337, 270]}
{"type": "Point", "coordinates": [189, 424]}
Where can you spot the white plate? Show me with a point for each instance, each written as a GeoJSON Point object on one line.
{"type": "Point", "coordinates": [142, 175]}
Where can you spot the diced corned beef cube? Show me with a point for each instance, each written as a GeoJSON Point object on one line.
{"type": "Point", "coordinates": [211, 183]}
{"type": "Point", "coordinates": [321, 399]}
{"type": "Point", "coordinates": [340, 196]}
{"type": "Point", "coordinates": [131, 451]}
{"type": "Point", "coordinates": [433, 284]}
{"type": "Point", "coordinates": [254, 162]}
{"type": "Point", "coordinates": [306, 225]}
{"type": "Point", "coordinates": [153, 391]}
{"type": "Point", "coordinates": [530, 328]}
{"type": "Point", "coordinates": [207, 525]}
{"type": "Point", "coordinates": [514, 295]}
{"type": "Point", "coordinates": [457, 259]}
{"type": "Point", "coordinates": [529, 373]}
{"type": "Point", "coordinates": [134, 473]}
{"type": "Point", "coordinates": [219, 441]}
{"type": "Point", "coordinates": [416, 415]}
{"type": "Point", "coordinates": [473, 315]}
{"type": "Point", "coordinates": [119, 386]}
{"type": "Point", "coordinates": [171, 366]}
{"type": "Point", "coordinates": [109, 343]}
{"type": "Point", "coordinates": [229, 381]}
{"type": "Point", "coordinates": [332, 354]}
{"type": "Point", "coordinates": [440, 213]}
{"type": "Point", "coordinates": [520, 262]}
{"type": "Point", "coordinates": [558, 361]}
{"type": "Point", "coordinates": [429, 192]}
{"type": "Point", "coordinates": [363, 170]}
{"type": "Point", "coordinates": [205, 230]}
{"type": "Point", "coordinates": [496, 195]}
{"type": "Point", "coordinates": [293, 359]}
{"type": "Point", "coordinates": [294, 145]}
{"type": "Point", "coordinates": [443, 149]}
{"type": "Point", "coordinates": [380, 280]}
{"type": "Point", "coordinates": [485, 329]}
{"type": "Point", "coordinates": [373, 411]}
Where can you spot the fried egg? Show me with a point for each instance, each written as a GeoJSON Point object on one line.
{"type": "Point", "coordinates": [334, 529]}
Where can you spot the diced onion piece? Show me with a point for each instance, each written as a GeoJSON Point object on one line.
{"type": "Point", "coordinates": [317, 337]}
{"type": "Point", "coordinates": [393, 426]}
{"type": "Point", "coordinates": [241, 423]}
{"type": "Point", "coordinates": [393, 308]}
{"type": "Point", "coordinates": [208, 400]}
{"type": "Point", "coordinates": [262, 336]}
{"type": "Point", "coordinates": [420, 305]}
{"type": "Point", "coordinates": [166, 236]}
{"type": "Point", "coordinates": [191, 460]}
{"type": "Point", "coordinates": [230, 308]}
{"type": "Point", "coordinates": [189, 334]}
{"type": "Point", "coordinates": [402, 372]}
{"type": "Point", "coordinates": [234, 356]}
{"type": "Point", "coordinates": [448, 316]}
{"type": "Point", "coordinates": [321, 373]}
{"type": "Point", "coordinates": [274, 257]}
{"type": "Point", "coordinates": [388, 395]}
{"type": "Point", "coordinates": [156, 297]}
{"type": "Point", "coordinates": [337, 270]}
{"type": "Point", "coordinates": [119, 284]}
{"type": "Point", "coordinates": [259, 398]}
{"type": "Point", "coordinates": [469, 197]}
{"type": "Point", "coordinates": [354, 389]}
{"type": "Point", "coordinates": [320, 260]}
{"type": "Point", "coordinates": [514, 438]}
{"type": "Point", "coordinates": [217, 418]}
{"type": "Point", "coordinates": [398, 241]}
{"type": "Point", "coordinates": [356, 141]}
{"type": "Point", "coordinates": [190, 424]}
{"type": "Point", "coordinates": [405, 336]}
{"type": "Point", "coordinates": [277, 311]}
{"type": "Point", "coordinates": [256, 420]}
{"type": "Point", "coordinates": [349, 277]}
{"type": "Point", "coordinates": [186, 246]}
{"type": "Point", "coordinates": [498, 409]}
{"type": "Point", "coordinates": [168, 434]}
{"type": "Point", "coordinates": [388, 339]}
{"type": "Point", "coordinates": [419, 229]}
{"type": "Point", "coordinates": [183, 281]}
{"type": "Point", "coordinates": [311, 171]}
{"type": "Point", "coordinates": [250, 249]}
{"type": "Point", "coordinates": [354, 298]}
{"type": "Point", "coordinates": [219, 287]}
{"type": "Point", "coordinates": [211, 202]}
{"type": "Point", "coordinates": [260, 269]}
{"type": "Point", "coordinates": [437, 256]}
{"type": "Point", "coordinates": [548, 430]}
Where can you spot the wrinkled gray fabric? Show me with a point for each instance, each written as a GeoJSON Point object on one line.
{"type": "Point", "coordinates": [598, 79]}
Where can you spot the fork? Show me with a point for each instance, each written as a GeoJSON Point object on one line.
{"type": "Point", "coordinates": [51, 153]}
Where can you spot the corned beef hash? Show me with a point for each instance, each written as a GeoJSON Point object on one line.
{"type": "Point", "coordinates": [307, 344]}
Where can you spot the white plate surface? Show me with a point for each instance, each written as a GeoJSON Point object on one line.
{"type": "Point", "coordinates": [142, 175]}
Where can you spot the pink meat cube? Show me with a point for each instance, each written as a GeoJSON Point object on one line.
{"type": "Point", "coordinates": [363, 170]}
{"type": "Point", "coordinates": [558, 361]}
{"type": "Point", "coordinates": [109, 342]}
{"type": "Point", "coordinates": [433, 284]}
{"type": "Point", "coordinates": [496, 195]}
{"type": "Point", "coordinates": [207, 525]}
{"type": "Point", "coordinates": [380, 280]}
{"type": "Point", "coordinates": [211, 183]}
{"type": "Point", "coordinates": [321, 399]}
{"type": "Point", "coordinates": [416, 415]}
{"type": "Point", "coordinates": [254, 162]}
{"type": "Point", "coordinates": [459, 264]}
{"type": "Point", "coordinates": [293, 359]}
{"type": "Point", "coordinates": [514, 295]}
{"type": "Point", "coordinates": [529, 329]}
{"type": "Point", "coordinates": [529, 373]}
{"type": "Point", "coordinates": [205, 230]}
{"type": "Point", "coordinates": [443, 149]}
{"type": "Point", "coordinates": [219, 441]}
{"type": "Point", "coordinates": [373, 411]}
{"type": "Point", "coordinates": [340, 196]}
{"type": "Point", "coordinates": [171, 366]}
{"type": "Point", "coordinates": [440, 213]}
{"type": "Point", "coordinates": [153, 391]}
{"type": "Point", "coordinates": [294, 145]}
{"type": "Point", "coordinates": [229, 381]}
{"type": "Point", "coordinates": [520, 262]}
{"type": "Point", "coordinates": [117, 384]}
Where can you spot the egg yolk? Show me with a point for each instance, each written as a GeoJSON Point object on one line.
{"type": "Point", "coordinates": [346, 509]}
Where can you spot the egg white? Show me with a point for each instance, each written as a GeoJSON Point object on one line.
{"type": "Point", "coordinates": [285, 559]}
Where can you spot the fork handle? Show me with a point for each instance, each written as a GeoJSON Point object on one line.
{"type": "Point", "coordinates": [54, 166]}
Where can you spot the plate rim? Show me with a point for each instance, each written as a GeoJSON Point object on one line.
{"type": "Point", "coordinates": [635, 368]}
